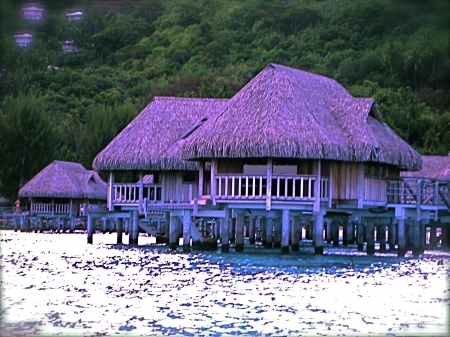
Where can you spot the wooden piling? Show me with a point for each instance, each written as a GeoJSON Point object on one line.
{"type": "Point", "coordinates": [335, 224]}
{"type": "Point", "coordinates": [360, 235]}
{"type": "Point", "coordinates": [401, 234]}
{"type": "Point", "coordinates": [345, 231]}
{"type": "Point", "coordinates": [225, 231]}
{"type": "Point", "coordinates": [233, 228]}
{"type": "Point", "coordinates": [277, 233]}
{"type": "Point", "coordinates": [328, 230]}
{"type": "Point", "coordinates": [119, 230]}
{"type": "Point", "coordinates": [269, 232]}
{"type": "Point", "coordinates": [433, 237]}
{"type": "Point", "coordinates": [392, 234]}
{"type": "Point", "coordinates": [370, 237]}
{"type": "Point", "coordinates": [90, 229]}
{"type": "Point", "coordinates": [416, 237]}
{"type": "Point", "coordinates": [239, 246]}
{"type": "Point", "coordinates": [296, 234]}
{"type": "Point", "coordinates": [167, 226]}
{"type": "Point", "coordinates": [187, 231]}
{"type": "Point", "coordinates": [173, 235]}
{"type": "Point", "coordinates": [251, 234]}
{"type": "Point", "coordinates": [318, 234]}
{"type": "Point", "coordinates": [285, 231]}
{"type": "Point", "coordinates": [263, 231]}
{"type": "Point", "coordinates": [382, 236]}
{"type": "Point", "coordinates": [134, 230]}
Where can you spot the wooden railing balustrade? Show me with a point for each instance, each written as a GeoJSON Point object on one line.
{"type": "Point", "coordinates": [284, 187]}
{"type": "Point", "coordinates": [51, 209]}
{"type": "Point", "coordinates": [418, 191]}
{"type": "Point", "coordinates": [129, 193]}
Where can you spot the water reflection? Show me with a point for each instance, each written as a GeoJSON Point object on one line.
{"type": "Point", "coordinates": [57, 284]}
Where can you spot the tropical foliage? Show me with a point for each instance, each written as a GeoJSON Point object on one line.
{"type": "Point", "coordinates": [394, 50]}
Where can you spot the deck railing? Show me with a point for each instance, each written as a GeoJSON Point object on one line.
{"type": "Point", "coordinates": [419, 191]}
{"type": "Point", "coordinates": [129, 193]}
{"type": "Point", "coordinates": [284, 187]}
{"type": "Point", "coordinates": [50, 208]}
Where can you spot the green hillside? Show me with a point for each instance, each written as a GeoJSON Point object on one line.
{"type": "Point", "coordinates": [68, 106]}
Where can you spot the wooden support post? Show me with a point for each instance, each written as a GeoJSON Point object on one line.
{"type": "Point", "coordinates": [401, 238]}
{"type": "Point", "coordinates": [370, 238]}
{"type": "Point", "coordinates": [352, 235]}
{"type": "Point", "coordinates": [277, 233]}
{"type": "Point", "coordinates": [416, 237]}
{"type": "Point", "coordinates": [22, 224]}
{"type": "Point", "coordinates": [309, 235]}
{"type": "Point", "coordinates": [110, 196]}
{"type": "Point", "coordinates": [296, 233]}
{"type": "Point", "coordinates": [134, 230]}
{"type": "Point", "coordinates": [360, 235]}
{"type": "Point", "coordinates": [239, 247]}
{"type": "Point", "coordinates": [104, 225]}
{"type": "Point", "coordinates": [285, 231]}
{"type": "Point", "coordinates": [263, 231]}
{"type": "Point", "coordinates": [269, 232]}
{"type": "Point", "coordinates": [187, 231]}
{"type": "Point", "coordinates": [213, 180]}
{"type": "Point", "coordinates": [345, 231]}
{"type": "Point", "coordinates": [119, 230]}
{"type": "Point", "coordinates": [173, 235]}
{"type": "Point", "coordinates": [127, 222]}
{"type": "Point", "coordinates": [57, 221]}
{"type": "Point", "coordinates": [318, 234]}
{"type": "Point", "coordinates": [317, 192]}
{"type": "Point", "coordinates": [409, 234]}
{"type": "Point", "coordinates": [258, 228]}
{"type": "Point", "coordinates": [392, 234]}
{"type": "Point", "coordinates": [382, 236]}
{"type": "Point", "coordinates": [419, 199]}
{"type": "Point", "coordinates": [111, 226]}
{"type": "Point", "coordinates": [90, 229]}
{"type": "Point", "coordinates": [73, 223]}
{"type": "Point", "coordinates": [167, 227]}
{"type": "Point", "coordinates": [225, 231]}
{"type": "Point", "coordinates": [141, 193]}
{"type": "Point", "coordinates": [335, 232]}
{"type": "Point", "coordinates": [328, 230]}
{"type": "Point", "coordinates": [360, 184]}
{"type": "Point", "coordinates": [269, 185]}
{"type": "Point", "coordinates": [233, 228]}
{"type": "Point", "coordinates": [36, 224]}
{"type": "Point", "coordinates": [201, 170]}
{"type": "Point", "coordinates": [251, 234]}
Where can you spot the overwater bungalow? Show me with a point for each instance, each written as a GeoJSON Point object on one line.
{"type": "Point", "coordinates": [431, 184]}
{"type": "Point", "coordinates": [291, 149]}
{"type": "Point", "coordinates": [63, 191]}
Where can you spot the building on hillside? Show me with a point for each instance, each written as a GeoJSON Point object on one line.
{"type": "Point", "coordinates": [63, 191]}
{"type": "Point", "coordinates": [291, 149]}
{"type": "Point", "coordinates": [32, 13]}
{"type": "Point", "coordinates": [68, 47]}
{"type": "Point", "coordinates": [23, 40]}
{"type": "Point", "coordinates": [75, 16]}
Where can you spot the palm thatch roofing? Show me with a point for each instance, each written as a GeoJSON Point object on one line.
{"type": "Point", "coordinates": [434, 167]}
{"type": "Point", "coordinates": [162, 125]}
{"type": "Point", "coordinates": [61, 179]}
{"type": "Point", "coordinates": [289, 113]}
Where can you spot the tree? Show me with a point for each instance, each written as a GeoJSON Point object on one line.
{"type": "Point", "coordinates": [28, 142]}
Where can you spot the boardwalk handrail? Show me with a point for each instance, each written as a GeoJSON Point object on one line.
{"type": "Point", "coordinates": [50, 208]}
{"type": "Point", "coordinates": [284, 187]}
{"type": "Point", "coordinates": [431, 191]}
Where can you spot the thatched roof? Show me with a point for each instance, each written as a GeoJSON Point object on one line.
{"type": "Point", "coordinates": [144, 143]}
{"type": "Point", "coordinates": [435, 167]}
{"type": "Point", "coordinates": [285, 112]}
{"type": "Point", "coordinates": [62, 179]}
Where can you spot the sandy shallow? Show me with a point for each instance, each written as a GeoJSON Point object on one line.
{"type": "Point", "coordinates": [56, 284]}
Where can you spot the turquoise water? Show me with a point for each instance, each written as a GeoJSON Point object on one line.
{"type": "Point", "coordinates": [56, 284]}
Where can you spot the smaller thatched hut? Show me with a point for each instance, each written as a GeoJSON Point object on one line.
{"type": "Point", "coordinates": [433, 167]}
{"type": "Point", "coordinates": [64, 188]}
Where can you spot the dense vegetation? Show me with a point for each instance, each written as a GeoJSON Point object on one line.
{"type": "Point", "coordinates": [396, 51]}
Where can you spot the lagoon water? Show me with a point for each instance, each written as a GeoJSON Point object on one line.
{"type": "Point", "coordinates": [58, 285]}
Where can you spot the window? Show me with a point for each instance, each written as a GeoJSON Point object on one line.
{"type": "Point", "coordinates": [189, 177]}
{"type": "Point", "coordinates": [375, 170]}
